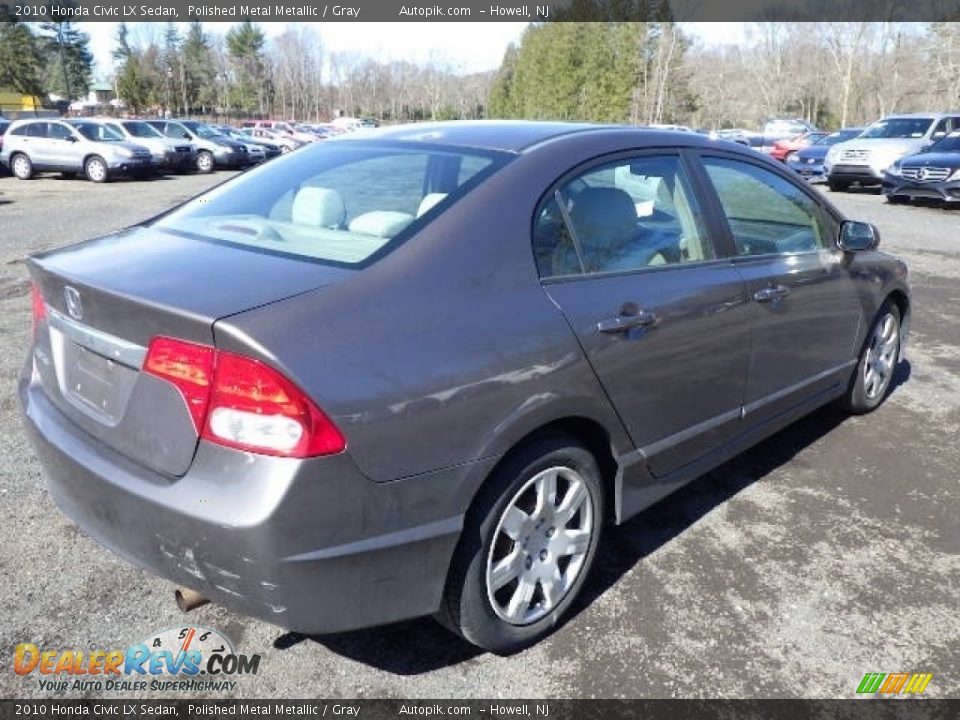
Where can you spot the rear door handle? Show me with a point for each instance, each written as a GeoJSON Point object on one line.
{"type": "Point", "coordinates": [626, 321]}
{"type": "Point", "coordinates": [769, 294]}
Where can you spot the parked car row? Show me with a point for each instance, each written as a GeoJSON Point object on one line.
{"type": "Point", "coordinates": [909, 156]}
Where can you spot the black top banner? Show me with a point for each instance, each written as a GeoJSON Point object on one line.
{"type": "Point", "coordinates": [481, 10]}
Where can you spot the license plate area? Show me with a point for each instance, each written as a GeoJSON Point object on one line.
{"type": "Point", "coordinates": [99, 386]}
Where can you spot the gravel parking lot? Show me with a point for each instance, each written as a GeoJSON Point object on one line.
{"type": "Point", "coordinates": [829, 551]}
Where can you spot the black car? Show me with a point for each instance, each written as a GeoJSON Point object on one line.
{"type": "Point", "coordinates": [933, 174]}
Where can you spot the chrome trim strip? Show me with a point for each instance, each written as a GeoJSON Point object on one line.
{"type": "Point", "coordinates": [780, 394]}
{"type": "Point", "coordinates": [109, 346]}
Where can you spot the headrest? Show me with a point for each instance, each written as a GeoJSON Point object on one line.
{"type": "Point", "coordinates": [602, 210]}
{"type": "Point", "coordinates": [318, 207]}
{"type": "Point", "coordinates": [380, 223]}
{"type": "Point", "coordinates": [429, 201]}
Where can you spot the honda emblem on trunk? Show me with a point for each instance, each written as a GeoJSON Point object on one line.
{"type": "Point", "coordinates": [74, 306]}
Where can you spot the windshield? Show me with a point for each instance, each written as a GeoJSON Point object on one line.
{"type": "Point", "coordinates": [899, 128]}
{"type": "Point", "coordinates": [837, 137]}
{"type": "Point", "coordinates": [339, 203]}
{"type": "Point", "coordinates": [204, 131]}
{"type": "Point", "coordinates": [97, 132]}
{"type": "Point", "coordinates": [951, 143]}
{"type": "Point", "coordinates": [142, 130]}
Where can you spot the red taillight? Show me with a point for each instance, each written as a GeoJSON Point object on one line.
{"type": "Point", "coordinates": [188, 366]}
{"type": "Point", "coordinates": [39, 307]}
{"type": "Point", "coordinates": [239, 402]}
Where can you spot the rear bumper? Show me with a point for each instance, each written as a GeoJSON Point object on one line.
{"type": "Point", "coordinates": [311, 545]}
{"type": "Point", "coordinates": [946, 191]}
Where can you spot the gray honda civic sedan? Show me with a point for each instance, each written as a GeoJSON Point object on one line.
{"type": "Point", "coordinates": [417, 372]}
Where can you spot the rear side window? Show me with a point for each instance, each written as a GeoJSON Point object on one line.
{"type": "Point", "coordinates": [342, 202]}
{"type": "Point", "coordinates": [766, 214]}
{"type": "Point", "coordinates": [627, 215]}
{"type": "Point", "coordinates": [37, 129]}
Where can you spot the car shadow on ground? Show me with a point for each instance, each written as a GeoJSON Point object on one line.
{"type": "Point", "coordinates": [420, 646]}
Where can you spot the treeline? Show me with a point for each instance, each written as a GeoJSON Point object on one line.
{"type": "Point", "coordinates": [44, 59]}
{"type": "Point", "coordinates": [190, 70]}
{"type": "Point", "coordinates": [832, 74]}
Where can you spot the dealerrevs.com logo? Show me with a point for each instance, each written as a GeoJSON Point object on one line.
{"type": "Point", "coordinates": [894, 683]}
{"type": "Point", "coordinates": [187, 659]}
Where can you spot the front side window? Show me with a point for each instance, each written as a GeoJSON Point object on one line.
{"type": "Point", "coordinates": [766, 213]}
{"type": "Point", "coordinates": [59, 132]}
{"type": "Point", "coordinates": [627, 215]}
{"type": "Point", "coordinates": [339, 203]}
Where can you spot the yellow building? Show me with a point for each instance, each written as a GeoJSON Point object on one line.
{"type": "Point", "coordinates": [14, 102]}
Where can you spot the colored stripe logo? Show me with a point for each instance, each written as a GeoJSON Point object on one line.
{"type": "Point", "coordinates": [894, 683]}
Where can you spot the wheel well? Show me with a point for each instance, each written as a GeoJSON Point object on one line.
{"type": "Point", "coordinates": [594, 437]}
{"type": "Point", "coordinates": [900, 299]}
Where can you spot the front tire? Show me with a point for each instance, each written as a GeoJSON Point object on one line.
{"type": "Point", "coordinates": [95, 168]}
{"type": "Point", "coordinates": [873, 376]}
{"type": "Point", "coordinates": [527, 546]}
{"type": "Point", "coordinates": [21, 166]}
{"type": "Point", "coordinates": [205, 162]}
{"type": "Point", "coordinates": [838, 185]}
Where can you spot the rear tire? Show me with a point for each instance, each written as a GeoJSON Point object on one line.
{"type": "Point", "coordinates": [895, 200]}
{"type": "Point", "coordinates": [873, 377]}
{"type": "Point", "coordinates": [838, 185]}
{"type": "Point", "coordinates": [523, 556]}
{"type": "Point", "coordinates": [21, 166]}
{"type": "Point", "coordinates": [95, 168]}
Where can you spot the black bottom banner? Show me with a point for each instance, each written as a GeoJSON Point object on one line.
{"type": "Point", "coordinates": [866, 709]}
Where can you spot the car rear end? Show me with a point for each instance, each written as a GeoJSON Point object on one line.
{"type": "Point", "coordinates": [175, 432]}
{"type": "Point", "coordinates": [213, 468]}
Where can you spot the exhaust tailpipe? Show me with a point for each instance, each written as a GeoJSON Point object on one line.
{"type": "Point", "coordinates": [188, 599]}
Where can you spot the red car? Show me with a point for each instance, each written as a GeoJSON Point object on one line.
{"type": "Point", "coordinates": [783, 148]}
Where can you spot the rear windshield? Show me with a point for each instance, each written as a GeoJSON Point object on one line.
{"type": "Point", "coordinates": [899, 128]}
{"type": "Point", "coordinates": [340, 202]}
{"type": "Point", "coordinates": [141, 129]}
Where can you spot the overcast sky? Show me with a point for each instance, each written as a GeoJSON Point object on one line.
{"type": "Point", "coordinates": [473, 46]}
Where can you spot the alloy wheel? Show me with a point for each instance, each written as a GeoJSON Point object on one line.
{"type": "Point", "coordinates": [881, 356]}
{"type": "Point", "coordinates": [540, 545]}
{"type": "Point", "coordinates": [96, 170]}
{"type": "Point", "coordinates": [22, 168]}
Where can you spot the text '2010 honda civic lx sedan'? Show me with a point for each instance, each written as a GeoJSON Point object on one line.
{"type": "Point", "coordinates": [416, 372]}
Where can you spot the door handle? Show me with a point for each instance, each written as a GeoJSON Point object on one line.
{"type": "Point", "coordinates": [769, 294]}
{"type": "Point", "coordinates": [627, 320]}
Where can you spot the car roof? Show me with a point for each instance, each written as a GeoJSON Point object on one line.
{"type": "Point", "coordinates": [516, 136]}
{"type": "Point", "coordinates": [919, 115]}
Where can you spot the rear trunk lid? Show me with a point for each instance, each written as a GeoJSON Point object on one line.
{"type": "Point", "coordinates": [107, 298]}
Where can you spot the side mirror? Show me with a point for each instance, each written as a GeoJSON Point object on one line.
{"type": "Point", "coordinates": [71, 139]}
{"type": "Point", "coordinates": [858, 236]}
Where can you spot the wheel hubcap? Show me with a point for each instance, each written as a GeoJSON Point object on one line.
{"type": "Point", "coordinates": [96, 170]}
{"type": "Point", "coordinates": [540, 546]}
{"type": "Point", "coordinates": [20, 166]}
{"type": "Point", "coordinates": [881, 356]}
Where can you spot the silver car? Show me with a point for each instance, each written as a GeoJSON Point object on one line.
{"type": "Point", "coordinates": [168, 154]}
{"type": "Point", "coordinates": [71, 147]}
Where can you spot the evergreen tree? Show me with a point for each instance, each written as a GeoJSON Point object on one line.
{"type": "Point", "coordinates": [502, 102]}
{"type": "Point", "coordinates": [68, 60]}
{"type": "Point", "coordinates": [21, 62]}
{"type": "Point", "coordinates": [198, 77]}
{"type": "Point", "coordinates": [245, 43]}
